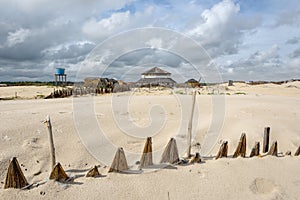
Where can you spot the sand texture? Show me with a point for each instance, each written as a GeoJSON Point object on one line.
{"type": "Point", "coordinates": [24, 135]}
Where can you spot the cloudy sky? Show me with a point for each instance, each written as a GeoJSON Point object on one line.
{"type": "Point", "coordinates": [245, 39]}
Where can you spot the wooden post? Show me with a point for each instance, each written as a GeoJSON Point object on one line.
{"type": "Point", "coordinates": [223, 150]}
{"type": "Point", "coordinates": [266, 139]}
{"type": "Point", "coordinates": [297, 153]}
{"type": "Point", "coordinates": [146, 159]}
{"type": "Point", "coordinates": [15, 177]}
{"type": "Point", "coordinates": [241, 148]}
{"type": "Point", "coordinates": [189, 133]}
{"type": "Point", "coordinates": [255, 150]}
{"type": "Point", "coordinates": [52, 149]}
{"type": "Point", "coordinates": [274, 149]}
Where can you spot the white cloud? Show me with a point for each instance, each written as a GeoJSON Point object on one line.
{"type": "Point", "coordinates": [217, 21]}
{"type": "Point", "coordinates": [106, 26]}
{"type": "Point", "coordinates": [17, 37]}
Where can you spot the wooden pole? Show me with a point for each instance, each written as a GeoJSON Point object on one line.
{"type": "Point", "coordinates": [189, 133]}
{"type": "Point", "coordinates": [266, 139]}
{"type": "Point", "coordinates": [52, 149]}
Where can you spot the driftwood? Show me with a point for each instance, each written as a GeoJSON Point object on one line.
{"type": "Point", "coordinates": [52, 149]}
{"type": "Point", "coordinates": [58, 173]}
{"type": "Point", "coordinates": [195, 159]}
{"type": "Point", "coordinates": [119, 163]}
{"type": "Point", "coordinates": [146, 159]}
{"type": "Point", "coordinates": [223, 150]}
{"type": "Point", "coordinates": [241, 148]}
{"type": "Point", "coordinates": [255, 150]}
{"type": "Point", "coordinates": [297, 153]}
{"type": "Point", "coordinates": [170, 154]}
{"type": "Point", "coordinates": [93, 172]}
{"type": "Point", "coordinates": [15, 177]}
{"type": "Point", "coordinates": [266, 139]}
{"type": "Point", "coordinates": [273, 149]}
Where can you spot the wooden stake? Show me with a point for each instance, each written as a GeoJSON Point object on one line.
{"type": "Point", "coordinates": [58, 173]}
{"type": "Point", "coordinates": [255, 150]}
{"type": "Point", "coordinates": [15, 177]}
{"type": "Point", "coordinates": [297, 153]}
{"type": "Point", "coordinates": [52, 149]}
{"type": "Point", "coordinates": [195, 159]}
{"type": "Point", "coordinates": [146, 159]}
{"type": "Point", "coordinates": [170, 154]}
{"type": "Point", "coordinates": [241, 148]}
{"type": "Point", "coordinates": [119, 163]}
{"type": "Point", "coordinates": [189, 133]}
{"type": "Point", "coordinates": [273, 149]}
{"type": "Point", "coordinates": [266, 139]}
{"type": "Point", "coordinates": [93, 172]}
{"type": "Point", "coordinates": [223, 150]}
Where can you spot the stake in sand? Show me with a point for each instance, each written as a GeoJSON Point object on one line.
{"type": "Point", "coordinates": [223, 150]}
{"type": "Point", "coordinates": [297, 153]}
{"type": "Point", "coordinates": [273, 150]}
{"type": "Point", "coordinates": [266, 139]}
{"type": "Point", "coordinates": [241, 148]}
{"type": "Point", "coordinates": [93, 172]}
{"type": "Point", "coordinates": [189, 133]}
{"type": "Point", "coordinates": [15, 177]}
{"type": "Point", "coordinates": [255, 150]}
{"type": "Point", "coordinates": [119, 163]}
{"type": "Point", "coordinates": [52, 149]}
{"type": "Point", "coordinates": [58, 173]}
{"type": "Point", "coordinates": [170, 154]}
{"type": "Point", "coordinates": [146, 159]}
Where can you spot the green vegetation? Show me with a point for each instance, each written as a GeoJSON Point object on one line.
{"type": "Point", "coordinates": [179, 92]}
{"type": "Point", "coordinates": [33, 83]}
{"type": "Point", "coordinates": [243, 93]}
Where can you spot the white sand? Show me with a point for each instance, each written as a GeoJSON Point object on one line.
{"type": "Point", "coordinates": [25, 136]}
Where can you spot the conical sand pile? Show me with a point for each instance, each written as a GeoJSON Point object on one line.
{"type": "Point", "coordinates": [15, 177]}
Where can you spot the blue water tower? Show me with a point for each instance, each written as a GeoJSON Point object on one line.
{"type": "Point", "coordinates": [60, 77]}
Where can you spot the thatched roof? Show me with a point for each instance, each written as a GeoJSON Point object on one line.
{"type": "Point", "coordinates": [192, 81]}
{"type": "Point", "coordinates": [156, 71]}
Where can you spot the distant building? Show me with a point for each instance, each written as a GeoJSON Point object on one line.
{"type": "Point", "coordinates": [192, 83]}
{"type": "Point", "coordinates": [156, 77]}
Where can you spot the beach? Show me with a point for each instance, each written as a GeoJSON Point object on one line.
{"type": "Point", "coordinates": [247, 109]}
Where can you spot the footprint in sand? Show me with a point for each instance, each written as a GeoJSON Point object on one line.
{"type": "Point", "coordinates": [268, 187]}
{"type": "Point", "coordinates": [262, 186]}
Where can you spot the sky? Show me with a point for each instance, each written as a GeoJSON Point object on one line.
{"type": "Point", "coordinates": [238, 39]}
